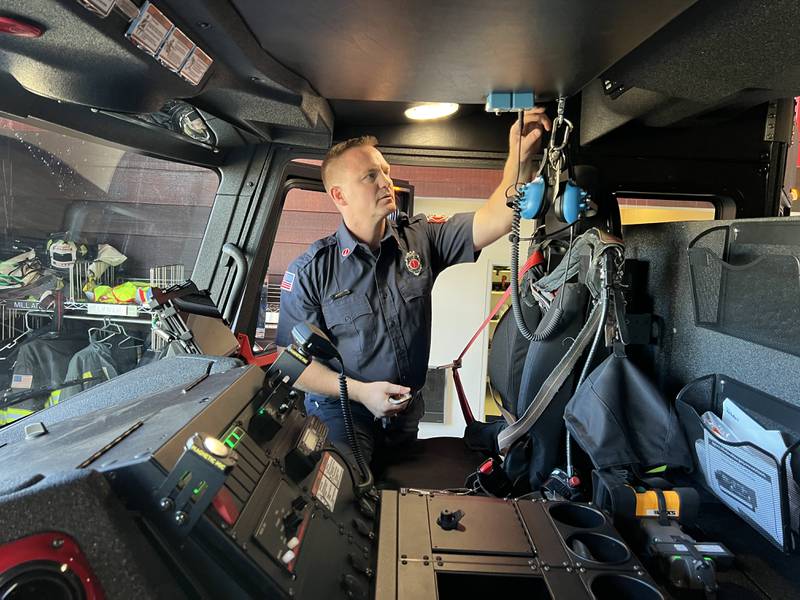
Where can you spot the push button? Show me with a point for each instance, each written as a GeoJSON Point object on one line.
{"type": "Point", "coordinates": [226, 506]}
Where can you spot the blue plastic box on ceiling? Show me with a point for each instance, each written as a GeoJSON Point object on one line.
{"type": "Point", "coordinates": [498, 102]}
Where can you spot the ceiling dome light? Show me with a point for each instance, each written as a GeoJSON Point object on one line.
{"type": "Point", "coordinates": [431, 110]}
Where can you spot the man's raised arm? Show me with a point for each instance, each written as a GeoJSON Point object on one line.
{"type": "Point", "coordinates": [493, 219]}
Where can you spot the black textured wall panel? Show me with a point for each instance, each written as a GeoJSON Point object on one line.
{"type": "Point", "coordinates": [687, 351]}
{"type": "Point", "coordinates": [717, 49]}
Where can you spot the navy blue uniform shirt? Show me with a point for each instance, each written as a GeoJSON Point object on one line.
{"type": "Point", "coordinates": [376, 307]}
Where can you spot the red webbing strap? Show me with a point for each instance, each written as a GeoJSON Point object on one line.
{"type": "Point", "coordinates": [534, 259]}
{"type": "Point", "coordinates": [462, 397]}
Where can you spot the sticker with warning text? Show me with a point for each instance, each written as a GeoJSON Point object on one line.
{"type": "Point", "coordinates": [333, 471]}
{"type": "Point", "coordinates": [196, 66]}
{"type": "Point", "coordinates": [329, 478]}
{"type": "Point", "coordinates": [175, 50]}
{"type": "Point", "coordinates": [150, 29]}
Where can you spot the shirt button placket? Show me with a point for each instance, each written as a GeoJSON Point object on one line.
{"type": "Point", "coordinates": [392, 322]}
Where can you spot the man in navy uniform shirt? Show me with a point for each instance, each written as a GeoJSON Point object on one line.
{"type": "Point", "coordinates": [368, 286]}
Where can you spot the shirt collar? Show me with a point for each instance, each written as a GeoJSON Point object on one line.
{"type": "Point", "coordinates": [348, 243]}
{"type": "Point", "coordinates": [391, 231]}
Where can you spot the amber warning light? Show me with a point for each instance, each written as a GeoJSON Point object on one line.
{"type": "Point", "coordinates": [19, 29]}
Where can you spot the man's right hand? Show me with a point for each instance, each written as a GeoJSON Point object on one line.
{"type": "Point", "coordinates": [319, 379]}
{"type": "Point", "coordinates": [375, 396]}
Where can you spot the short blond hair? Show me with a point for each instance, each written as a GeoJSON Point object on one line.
{"type": "Point", "coordinates": [338, 149]}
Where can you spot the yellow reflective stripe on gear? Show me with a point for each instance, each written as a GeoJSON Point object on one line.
{"type": "Point", "coordinates": [8, 415]}
{"type": "Point", "coordinates": [87, 375]}
{"type": "Point", "coordinates": [52, 399]}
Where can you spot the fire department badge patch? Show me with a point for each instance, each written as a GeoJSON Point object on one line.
{"type": "Point", "coordinates": [438, 219]}
{"type": "Point", "coordinates": [413, 262]}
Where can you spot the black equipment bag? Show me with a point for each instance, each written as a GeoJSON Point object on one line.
{"type": "Point", "coordinates": [620, 419]}
{"type": "Point", "coordinates": [507, 354]}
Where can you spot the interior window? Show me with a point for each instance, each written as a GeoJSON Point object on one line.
{"type": "Point", "coordinates": [85, 230]}
{"type": "Point", "coordinates": [638, 211]}
{"type": "Point", "coordinates": [307, 216]}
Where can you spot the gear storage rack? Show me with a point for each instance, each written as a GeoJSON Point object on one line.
{"type": "Point", "coordinates": [19, 316]}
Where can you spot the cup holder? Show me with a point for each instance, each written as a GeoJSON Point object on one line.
{"type": "Point", "coordinates": [598, 548]}
{"type": "Point", "coordinates": [622, 587]}
{"type": "Point", "coordinates": [577, 515]}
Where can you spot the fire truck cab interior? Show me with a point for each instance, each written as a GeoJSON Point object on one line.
{"type": "Point", "coordinates": [159, 168]}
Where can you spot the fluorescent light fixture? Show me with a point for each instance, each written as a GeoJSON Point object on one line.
{"type": "Point", "coordinates": [431, 110]}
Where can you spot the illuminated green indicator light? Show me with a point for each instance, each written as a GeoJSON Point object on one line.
{"type": "Point", "coordinates": [234, 437]}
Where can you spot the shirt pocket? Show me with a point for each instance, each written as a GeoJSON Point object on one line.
{"type": "Point", "coordinates": [413, 287]}
{"type": "Point", "coordinates": [350, 321]}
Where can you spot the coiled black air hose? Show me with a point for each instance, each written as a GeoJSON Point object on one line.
{"type": "Point", "coordinates": [552, 318]}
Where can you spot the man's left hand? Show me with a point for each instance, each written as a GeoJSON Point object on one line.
{"type": "Point", "coordinates": [535, 123]}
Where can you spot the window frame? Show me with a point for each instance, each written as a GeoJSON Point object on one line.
{"type": "Point", "coordinates": [724, 206]}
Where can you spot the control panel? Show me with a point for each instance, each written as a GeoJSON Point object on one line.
{"type": "Point", "coordinates": [248, 499]}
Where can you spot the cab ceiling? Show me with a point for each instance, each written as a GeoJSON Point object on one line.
{"type": "Point", "coordinates": [279, 65]}
{"type": "Point", "coordinates": [305, 72]}
{"type": "Point", "coordinates": [423, 50]}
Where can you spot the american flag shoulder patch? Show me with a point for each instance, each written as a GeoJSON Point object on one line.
{"type": "Point", "coordinates": [288, 281]}
{"type": "Point", "coordinates": [22, 382]}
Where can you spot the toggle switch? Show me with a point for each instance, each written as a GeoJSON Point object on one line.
{"type": "Point", "coordinates": [290, 523]}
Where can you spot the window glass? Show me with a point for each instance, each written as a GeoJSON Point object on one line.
{"type": "Point", "coordinates": [306, 217]}
{"type": "Point", "coordinates": [638, 211]}
{"type": "Point", "coordinates": [85, 230]}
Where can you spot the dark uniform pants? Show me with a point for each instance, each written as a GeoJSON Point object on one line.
{"type": "Point", "coordinates": [372, 435]}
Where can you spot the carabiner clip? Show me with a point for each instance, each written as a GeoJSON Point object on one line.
{"type": "Point", "coordinates": [567, 129]}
